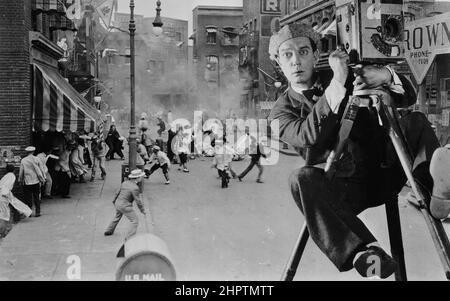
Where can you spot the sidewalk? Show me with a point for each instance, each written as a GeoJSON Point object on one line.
{"type": "Point", "coordinates": [38, 248]}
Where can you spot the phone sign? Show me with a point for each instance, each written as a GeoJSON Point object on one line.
{"type": "Point", "coordinates": [271, 7]}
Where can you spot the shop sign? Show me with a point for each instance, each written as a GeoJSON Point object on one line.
{"type": "Point", "coordinates": [270, 7]}
{"type": "Point", "coordinates": [424, 39]}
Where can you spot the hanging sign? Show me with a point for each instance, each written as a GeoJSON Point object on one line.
{"type": "Point", "coordinates": [424, 39]}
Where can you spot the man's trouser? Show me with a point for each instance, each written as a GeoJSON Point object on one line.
{"type": "Point", "coordinates": [224, 176]}
{"type": "Point", "coordinates": [129, 213]}
{"type": "Point", "coordinates": [156, 166]}
{"type": "Point", "coordinates": [48, 185]}
{"type": "Point", "coordinates": [32, 194]}
{"type": "Point", "coordinates": [64, 183]}
{"type": "Point", "coordinates": [331, 206]}
{"type": "Point", "coordinates": [183, 158]}
{"type": "Point", "coordinates": [253, 163]}
{"type": "Point", "coordinates": [55, 182]}
{"type": "Point", "coordinates": [98, 161]}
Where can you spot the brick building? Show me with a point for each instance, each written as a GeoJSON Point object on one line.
{"type": "Point", "coordinates": [15, 78]}
{"type": "Point", "coordinates": [38, 105]}
{"type": "Point", "coordinates": [216, 56]}
{"type": "Point", "coordinates": [161, 64]}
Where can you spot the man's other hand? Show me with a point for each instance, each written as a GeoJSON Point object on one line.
{"type": "Point", "coordinates": [371, 76]}
{"type": "Point", "coordinates": [338, 61]}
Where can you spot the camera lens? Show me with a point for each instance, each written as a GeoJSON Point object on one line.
{"type": "Point", "coordinates": [392, 28]}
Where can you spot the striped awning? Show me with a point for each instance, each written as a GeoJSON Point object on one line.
{"type": "Point", "coordinates": [58, 106]}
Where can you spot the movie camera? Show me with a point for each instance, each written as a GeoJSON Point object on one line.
{"type": "Point", "coordinates": [370, 31]}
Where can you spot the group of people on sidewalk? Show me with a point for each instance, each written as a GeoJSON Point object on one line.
{"type": "Point", "coordinates": [52, 170]}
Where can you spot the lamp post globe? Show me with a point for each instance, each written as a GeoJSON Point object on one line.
{"type": "Point", "coordinates": [157, 31]}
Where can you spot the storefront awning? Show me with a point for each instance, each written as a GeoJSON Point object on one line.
{"type": "Point", "coordinates": [58, 106]}
{"type": "Point", "coordinates": [211, 29]}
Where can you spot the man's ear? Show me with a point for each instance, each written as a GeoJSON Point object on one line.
{"type": "Point", "coordinates": [316, 56]}
{"type": "Point", "coordinates": [277, 60]}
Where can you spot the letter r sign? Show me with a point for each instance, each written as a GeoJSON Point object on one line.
{"type": "Point", "coordinates": [270, 7]}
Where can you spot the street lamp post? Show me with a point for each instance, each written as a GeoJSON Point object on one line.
{"type": "Point", "coordinates": [132, 140]}
{"type": "Point", "coordinates": [157, 29]}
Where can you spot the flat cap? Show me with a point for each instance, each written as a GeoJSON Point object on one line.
{"type": "Point", "coordinates": [288, 32]}
{"type": "Point", "coordinates": [30, 149]}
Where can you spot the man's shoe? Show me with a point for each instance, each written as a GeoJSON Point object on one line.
{"type": "Point", "coordinates": [37, 215]}
{"type": "Point", "coordinates": [108, 233]}
{"type": "Point", "coordinates": [186, 170]}
{"type": "Point", "coordinates": [240, 179]}
{"type": "Point", "coordinates": [49, 197]}
{"type": "Point", "coordinates": [92, 179]}
{"type": "Point", "coordinates": [66, 196]}
{"type": "Point", "coordinates": [167, 182]}
{"type": "Point", "coordinates": [375, 262]}
{"type": "Point", "coordinates": [259, 181]}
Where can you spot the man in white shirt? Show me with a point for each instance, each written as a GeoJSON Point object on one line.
{"type": "Point", "coordinates": [44, 156]}
{"type": "Point", "coordinates": [161, 161]}
{"type": "Point", "coordinates": [368, 173]}
{"type": "Point", "coordinates": [32, 176]}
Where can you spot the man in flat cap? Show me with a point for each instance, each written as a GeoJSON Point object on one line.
{"type": "Point", "coordinates": [368, 173]}
{"type": "Point", "coordinates": [32, 177]}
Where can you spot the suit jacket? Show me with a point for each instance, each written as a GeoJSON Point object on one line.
{"type": "Point", "coordinates": [126, 194]}
{"type": "Point", "coordinates": [309, 125]}
{"type": "Point", "coordinates": [31, 171]}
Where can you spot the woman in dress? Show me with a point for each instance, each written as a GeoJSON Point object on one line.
{"type": "Point", "coordinates": [77, 161]}
{"type": "Point", "coordinates": [7, 198]}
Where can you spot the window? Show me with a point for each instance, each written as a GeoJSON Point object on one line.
{"type": "Point", "coordinates": [230, 36]}
{"type": "Point", "coordinates": [155, 67]}
{"type": "Point", "coordinates": [211, 62]}
{"type": "Point", "coordinates": [228, 62]}
{"type": "Point", "coordinates": [211, 68]}
{"type": "Point", "coordinates": [211, 34]}
{"type": "Point", "coordinates": [178, 36]}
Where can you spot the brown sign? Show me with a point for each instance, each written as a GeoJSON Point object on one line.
{"type": "Point", "coordinates": [424, 39]}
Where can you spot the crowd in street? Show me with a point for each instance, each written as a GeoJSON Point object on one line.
{"type": "Point", "coordinates": [50, 168]}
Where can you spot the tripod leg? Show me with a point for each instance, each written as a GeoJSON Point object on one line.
{"type": "Point", "coordinates": [435, 227]}
{"type": "Point", "coordinates": [395, 238]}
{"type": "Point", "coordinates": [294, 260]}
